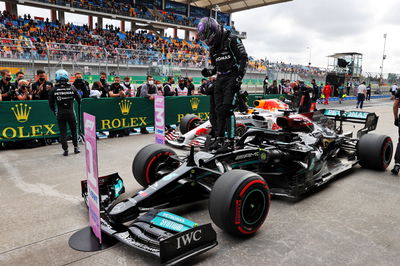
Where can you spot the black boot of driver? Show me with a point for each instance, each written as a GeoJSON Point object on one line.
{"type": "Point", "coordinates": [228, 146]}
{"type": "Point", "coordinates": [215, 144]}
{"type": "Point", "coordinates": [65, 153]}
{"type": "Point", "coordinates": [396, 169]}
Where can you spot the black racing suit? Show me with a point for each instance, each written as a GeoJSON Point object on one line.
{"type": "Point", "coordinates": [209, 90]}
{"type": "Point", "coordinates": [397, 154]}
{"type": "Point", "coordinates": [61, 101]}
{"type": "Point", "coordinates": [229, 59]}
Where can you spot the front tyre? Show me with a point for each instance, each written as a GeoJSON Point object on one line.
{"type": "Point", "coordinates": [375, 151]}
{"type": "Point", "coordinates": [189, 122]}
{"type": "Point", "coordinates": [153, 162]}
{"type": "Point", "coordinates": [239, 202]}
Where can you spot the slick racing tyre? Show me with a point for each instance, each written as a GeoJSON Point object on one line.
{"type": "Point", "coordinates": [153, 162]}
{"type": "Point", "coordinates": [189, 122]}
{"type": "Point", "coordinates": [375, 151]}
{"type": "Point", "coordinates": [239, 202]}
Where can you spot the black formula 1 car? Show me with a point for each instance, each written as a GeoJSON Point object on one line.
{"type": "Point", "coordinates": [307, 152]}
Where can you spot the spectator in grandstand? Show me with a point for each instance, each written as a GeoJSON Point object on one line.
{"type": "Point", "coordinates": [103, 86]}
{"type": "Point", "coordinates": [361, 94]}
{"type": "Point", "coordinates": [63, 96]}
{"type": "Point", "coordinates": [22, 93]}
{"type": "Point", "coordinates": [368, 98]}
{"type": "Point", "coordinates": [273, 89]}
{"type": "Point", "coordinates": [203, 87]}
{"type": "Point", "coordinates": [147, 90]}
{"type": "Point", "coordinates": [7, 89]}
{"type": "Point", "coordinates": [129, 89]}
{"type": "Point", "coordinates": [266, 85]}
{"type": "Point", "coordinates": [327, 91]}
{"type": "Point", "coordinates": [181, 90]}
{"type": "Point", "coordinates": [190, 86]}
{"type": "Point", "coordinates": [168, 89]}
{"type": "Point", "coordinates": [81, 85]}
{"type": "Point", "coordinates": [18, 76]}
{"type": "Point", "coordinates": [42, 87]}
{"type": "Point", "coordinates": [116, 90]}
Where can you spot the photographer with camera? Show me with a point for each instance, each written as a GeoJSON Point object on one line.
{"type": "Point", "coordinates": [23, 91]}
{"type": "Point", "coordinates": [42, 87]}
{"type": "Point", "coordinates": [81, 85]}
{"type": "Point", "coordinates": [102, 86]}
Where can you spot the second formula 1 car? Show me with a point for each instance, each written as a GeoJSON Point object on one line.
{"type": "Point", "coordinates": [193, 131]}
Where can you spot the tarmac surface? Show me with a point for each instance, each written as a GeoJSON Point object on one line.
{"type": "Point", "coordinates": [353, 220]}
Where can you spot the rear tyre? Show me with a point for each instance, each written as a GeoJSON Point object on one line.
{"type": "Point", "coordinates": [189, 122]}
{"type": "Point", "coordinates": [153, 162]}
{"type": "Point", "coordinates": [239, 202]}
{"type": "Point", "coordinates": [375, 151]}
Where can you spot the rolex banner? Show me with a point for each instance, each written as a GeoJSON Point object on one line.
{"type": "Point", "coordinates": [33, 119]}
{"type": "Point", "coordinates": [119, 113]}
{"type": "Point", "coordinates": [177, 107]}
{"type": "Point", "coordinates": [20, 120]}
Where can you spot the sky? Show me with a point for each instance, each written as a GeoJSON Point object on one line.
{"type": "Point", "coordinates": [288, 32]}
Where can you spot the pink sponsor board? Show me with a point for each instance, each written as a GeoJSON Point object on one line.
{"type": "Point", "coordinates": [92, 173]}
{"type": "Point", "coordinates": [159, 119]}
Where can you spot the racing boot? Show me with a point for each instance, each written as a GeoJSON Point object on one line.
{"type": "Point", "coordinates": [215, 144]}
{"type": "Point", "coordinates": [65, 153]}
{"type": "Point", "coordinates": [396, 169]}
{"type": "Point", "coordinates": [228, 146]}
{"type": "Point", "coordinates": [76, 149]}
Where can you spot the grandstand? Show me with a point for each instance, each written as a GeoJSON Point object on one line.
{"type": "Point", "coordinates": [48, 43]}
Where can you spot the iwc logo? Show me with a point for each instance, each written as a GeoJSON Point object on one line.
{"type": "Point", "coordinates": [125, 106]}
{"type": "Point", "coordinates": [194, 102]}
{"type": "Point", "coordinates": [21, 112]}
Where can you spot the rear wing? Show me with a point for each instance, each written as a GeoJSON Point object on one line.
{"type": "Point", "coordinates": [369, 120]}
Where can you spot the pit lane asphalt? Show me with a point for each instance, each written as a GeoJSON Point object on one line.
{"type": "Point", "coordinates": [353, 220]}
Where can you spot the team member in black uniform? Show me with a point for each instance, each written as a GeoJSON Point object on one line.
{"type": "Point", "coordinates": [229, 61]}
{"type": "Point", "coordinates": [7, 89]}
{"type": "Point", "coordinates": [305, 100]}
{"type": "Point", "coordinates": [61, 101]}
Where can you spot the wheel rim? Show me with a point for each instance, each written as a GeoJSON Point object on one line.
{"type": "Point", "coordinates": [159, 167]}
{"type": "Point", "coordinates": [253, 206]}
{"type": "Point", "coordinates": [387, 153]}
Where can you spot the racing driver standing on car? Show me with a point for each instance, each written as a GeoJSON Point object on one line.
{"type": "Point", "coordinates": [229, 60]}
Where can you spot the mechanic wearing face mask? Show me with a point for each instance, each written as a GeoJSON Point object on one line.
{"type": "Point", "coordinates": [7, 89]}
{"type": "Point", "coordinates": [61, 102]}
{"type": "Point", "coordinates": [229, 60]}
{"type": "Point", "coordinates": [104, 88]}
{"type": "Point", "coordinates": [81, 85]}
{"type": "Point", "coordinates": [147, 90]}
{"type": "Point", "coordinates": [18, 77]}
{"type": "Point", "coordinates": [42, 87]}
{"type": "Point", "coordinates": [168, 90]}
{"type": "Point", "coordinates": [181, 90]}
{"type": "Point", "coordinates": [129, 89]}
